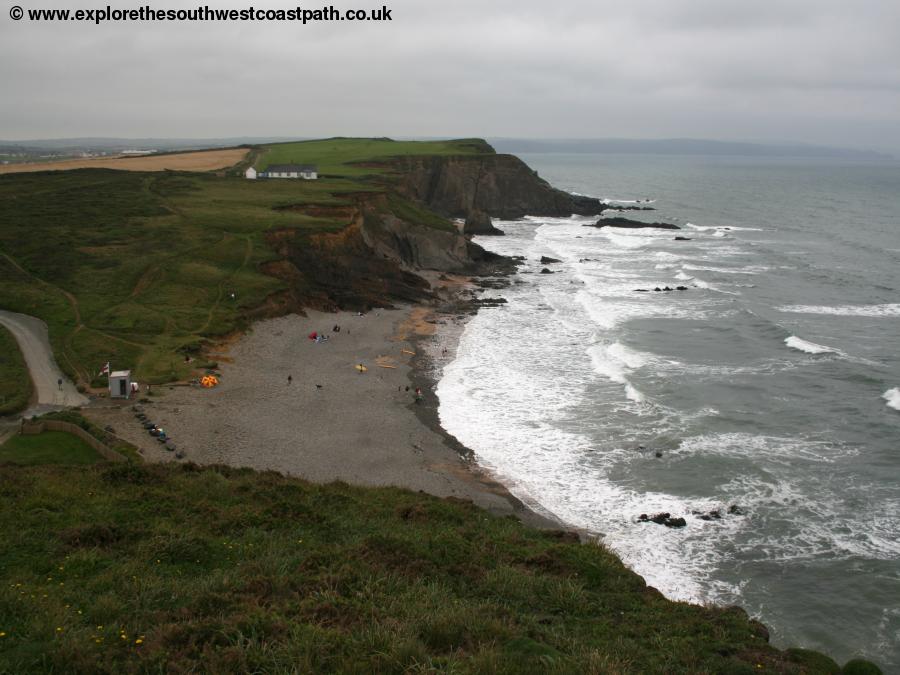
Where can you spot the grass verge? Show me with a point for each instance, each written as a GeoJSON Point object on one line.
{"type": "Point", "coordinates": [49, 447]}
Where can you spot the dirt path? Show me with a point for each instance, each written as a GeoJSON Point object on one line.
{"type": "Point", "coordinates": [221, 292]}
{"type": "Point", "coordinates": [73, 302]}
{"type": "Point", "coordinates": [31, 334]}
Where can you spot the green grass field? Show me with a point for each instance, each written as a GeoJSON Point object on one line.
{"type": "Point", "coordinates": [49, 447]}
{"type": "Point", "coordinates": [15, 383]}
{"type": "Point", "coordinates": [136, 268]}
{"type": "Point", "coordinates": [150, 568]}
{"type": "Point", "coordinates": [341, 156]}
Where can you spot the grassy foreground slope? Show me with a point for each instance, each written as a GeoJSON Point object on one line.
{"type": "Point", "coordinates": [15, 383]}
{"type": "Point", "coordinates": [137, 267]}
{"type": "Point", "coordinates": [126, 568]}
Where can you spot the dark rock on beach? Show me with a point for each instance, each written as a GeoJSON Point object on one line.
{"type": "Point", "coordinates": [546, 271]}
{"type": "Point", "coordinates": [627, 223]}
{"type": "Point", "coordinates": [479, 222]}
{"type": "Point", "coordinates": [682, 238]}
{"type": "Point", "coordinates": [662, 519]}
{"type": "Point", "coordinates": [619, 207]}
{"type": "Point", "coordinates": [547, 260]}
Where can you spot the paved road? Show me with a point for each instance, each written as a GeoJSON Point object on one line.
{"type": "Point", "coordinates": [31, 334]}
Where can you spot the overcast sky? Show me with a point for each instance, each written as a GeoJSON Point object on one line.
{"type": "Point", "coordinates": [820, 71]}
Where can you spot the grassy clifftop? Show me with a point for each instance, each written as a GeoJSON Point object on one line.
{"type": "Point", "coordinates": [127, 568]}
{"type": "Point", "coordinates": [353, 157]}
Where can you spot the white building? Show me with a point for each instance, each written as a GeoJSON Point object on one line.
{"type": "Point", "coordinates": [305, 171]}
{"type": "Point", "coordinates": [250, 173]}
{"type": "Point", "coordinates": [120, 384]}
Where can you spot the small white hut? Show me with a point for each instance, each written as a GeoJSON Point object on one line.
{"type": "Point", "coordinates": [250, 173]}
{"type": "Point", "coordinates": [120, 384]}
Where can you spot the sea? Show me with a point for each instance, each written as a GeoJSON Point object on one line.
{"type": "Point", "coordinates": [761, 404]}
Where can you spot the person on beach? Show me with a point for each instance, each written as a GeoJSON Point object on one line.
{"type": "Point", "coordinates": [290, 379]}
{"type": "Point", "coordinates": [418, 395]}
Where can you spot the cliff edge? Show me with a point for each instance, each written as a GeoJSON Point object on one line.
{"type": "Point", "coordinates": [502, 186]}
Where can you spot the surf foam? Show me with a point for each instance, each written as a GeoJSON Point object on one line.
{"type": "Point", "coordinates": [608, 361]}
{"type": "Point", "coordinates": [892, 396]}
{"type": "Point", "coordinates": [795, 342]}
{"type": "Point", "coordinates": [845, 310]}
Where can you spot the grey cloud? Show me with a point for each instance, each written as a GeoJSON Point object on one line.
{"type": "Point", "coordinates": [826, 72]}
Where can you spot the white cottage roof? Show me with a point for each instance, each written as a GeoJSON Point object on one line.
{"type": "Point", "coordinates": [120, 373]}
{"type": "Point", "coordinates": [291, 168]}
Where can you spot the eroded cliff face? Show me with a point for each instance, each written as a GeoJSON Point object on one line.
{"type": "Point", "coordinates": [416, 247]}
{"type": "Point", "coordinates": [372, 262]}
{"type": "Point", "coordinates": [501, 185]}
{"type": "Point", "coordinates": [340, 271]}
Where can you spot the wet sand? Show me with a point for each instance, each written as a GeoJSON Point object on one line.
{"type": "Point", "coordinates": [365, 429]}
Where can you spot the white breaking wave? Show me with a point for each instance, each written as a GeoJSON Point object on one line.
{"type": "Point", "coordinates": [706, 228]}
{"type": "Point", "coordinates": [747, 269]}
{"type": "Point", "coordinates": [809, 347]}
{"type": "Point", "coordinates": [892, 396]}
{"type": "Point", "coordinates": [845, 310]}
{"type": "Point", "coordinates": [630, 357]}
{"type": "Point", "coordinates": [608, 361]}
{"type": "Point", "coordinates": [626, 241]}
{"type": "Point", "coordinates": [609, 200]}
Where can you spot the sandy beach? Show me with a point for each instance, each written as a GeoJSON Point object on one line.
{"type": "Point", "coordinates": [330, 422]}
